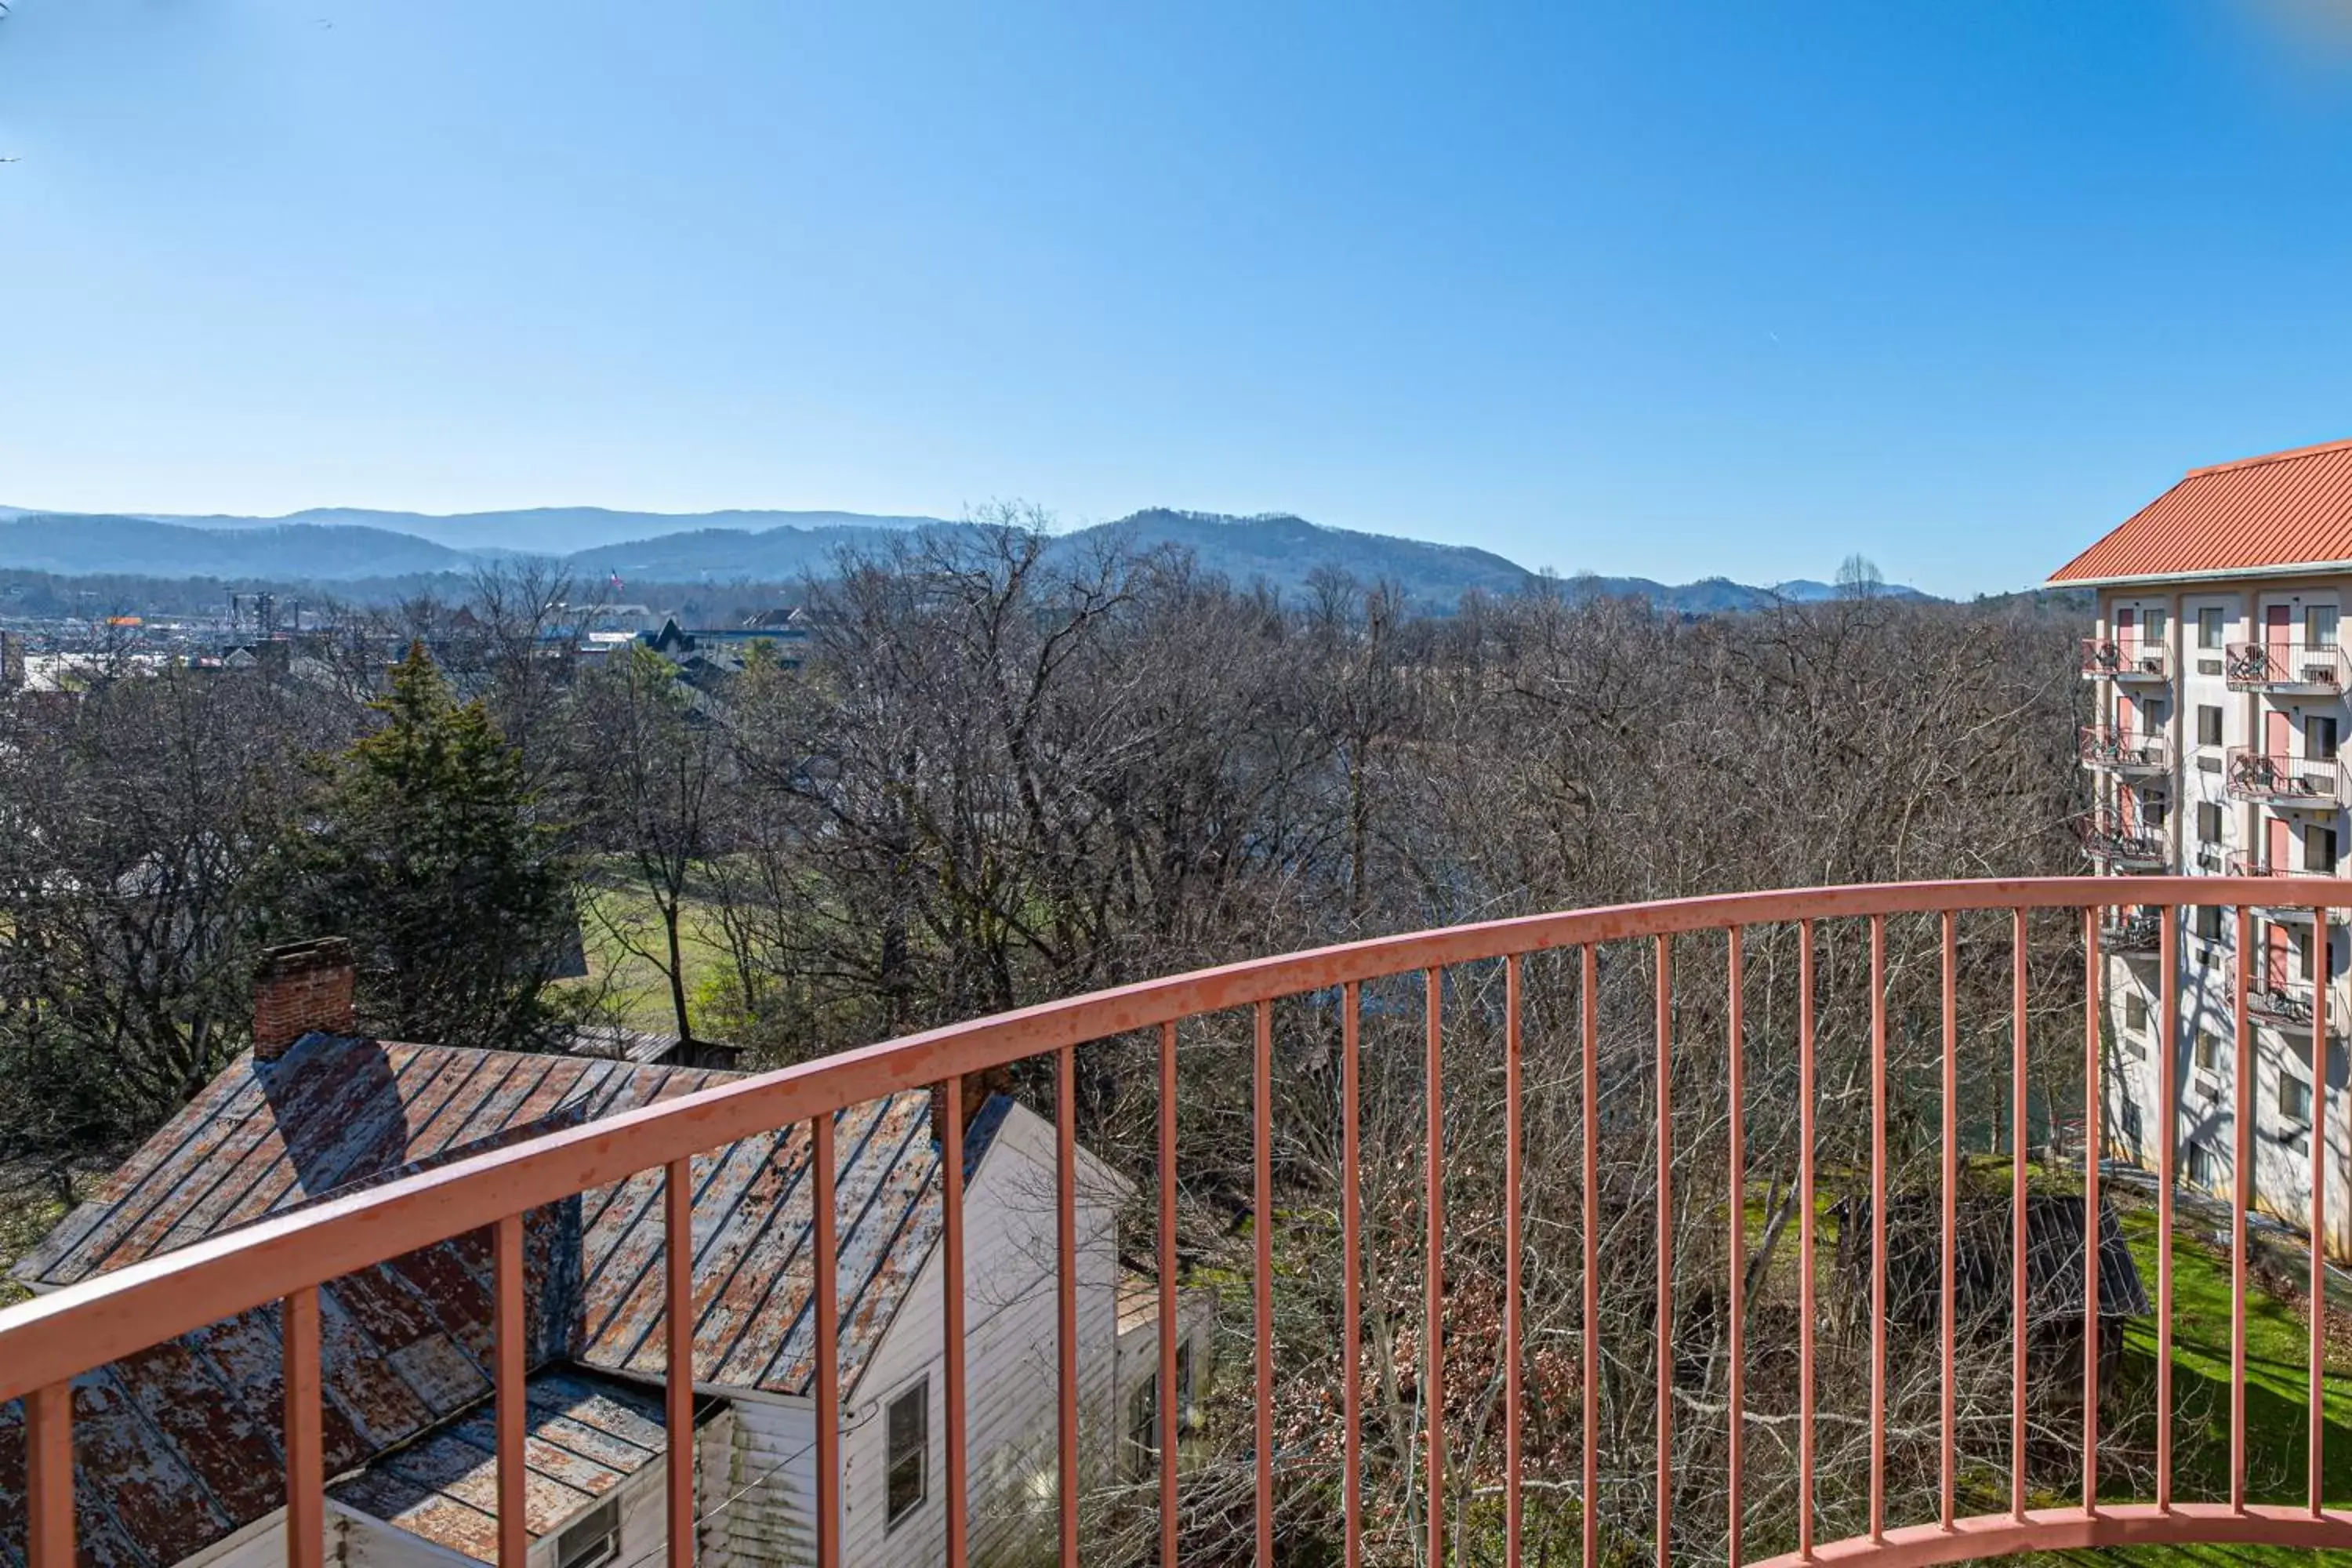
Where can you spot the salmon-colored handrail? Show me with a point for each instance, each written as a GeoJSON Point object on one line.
{"type": "Point", "coordinates": [55, 1336]}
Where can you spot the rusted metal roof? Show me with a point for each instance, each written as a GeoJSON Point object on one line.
{"type": "Point", "coordinates": [179, 1447]}
{"type": "Point", "coordinates": [582, 1437]}
{"type": "Point", "coordinates": [2283, 511]}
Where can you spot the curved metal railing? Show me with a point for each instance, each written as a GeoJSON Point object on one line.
{"type": "Point", "coordinates": [47, 1342]}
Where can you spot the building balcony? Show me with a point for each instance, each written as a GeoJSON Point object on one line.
{"type": "Point", "coordinates": [2275, 778]}
{"type": "Point", "coordinates": [2283, 1003]}
{"type": "Point", "coordinates": [2123, 752]}
{"type": "Point", "coordinates": [2286, 668]}
{"type": "Point", "coordinates": [2116, 843]}
{"type": "Point", "coordinates": [2131, 933]}
{"type": "Point", "coordinates": [2127, 660]}
{"type": "Point", "coordinates": [2244, 863]}
{"type": "Point", "coordinates": [919, 1301]}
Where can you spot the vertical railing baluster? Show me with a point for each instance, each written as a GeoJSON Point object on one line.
{"type": "Point", "coordinates": [306, 1478]}
{"type": "Point", "coordinates": [1352, 1291]}
{"type": "Point", "coordinates": [1168, 1412]}
{"type": "Point", "coordinates": [1433, 1308]}
{"type": "Point", "coordinates": [1065, 1280]}
{"type": "Point", "coordinates": [2168, 951]}
{"type": "Point", "coordinates": [2017, 1145]}
{"type": "Point", "coordinates": [1805, 1285]}
{"type": "Point", "coordinates": [1947, 1487]}
{"type": "Point", "coordinates": [1512, 1392]}
{"type": "Point", "coordinates": [2318, 1142]}
{"type": "Point", "coordinates": [1878, 1228]}
{"type": "Point", "coordinates": [1588, 1004]}
{"type": "Point", "coordinates": [49, 1476]}
{"type": "Point", "coordinates": [2092, 1122]}
{"type": "Point", "coordinates": [510, 1327]}
{"type": "Point", "coordinates": [824, 1249]}
{"type": "Point", "coordinates": [677, 1326]}
{"type": "Point", "coordinates": [1665, 1190]}
{"type": "Point", "coordinates": [2242, 1191]}
{"type": "Point", "coordinates": [1262, 1225]}
{"type": "Point", "coordinates": [955, 1440]}
{"type": "Point", "coordinates": [1737, 1286]}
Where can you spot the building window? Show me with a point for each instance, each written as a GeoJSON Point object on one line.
{"type": "Point", "coordinates": [2208, 724]}
{"type": "Point", "coordinates": [2209, 821]}
{"type": "Point", "coordinates": [2135, 1012]}
{"type": "Point", "coordinates": [2319, 850]}
{"type": "Point", "coordinates": [2294, 1098]}
{"type": "Point", "coordinates": [2319, 738]}
{"type": "Point", "coordinates": [2319, 626]}
{"type": "Point", "coordinates": [2152, 625]}
{"type": "Point", "coordinates": [2209, 1051]}
{"type": "Point", "coordinates": [2201, 1171]}
{"type": "Point", "coordinates": [2153, 810]}
{"type": "Point", "coordinates": [2209, 923]}
{"type": "Point", "coordinates": [2209, 629]}
{"type": "Point", "coordinates": [595, 1539]}
{"type": "Point", "coordinates": [908, 1469]}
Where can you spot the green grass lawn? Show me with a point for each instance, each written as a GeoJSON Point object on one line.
{"type": "Point", "coordinates": [2278, 1352]}
{"type": "Point", "coordinates": [635, 985]}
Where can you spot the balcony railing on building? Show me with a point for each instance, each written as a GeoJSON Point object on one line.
{"type": "Point", "coordinates": [2277, 778]}
{"type": "Point", "coordinates": [1636, 1083]}
{"type": "Point", "coordinates": [2258, 863]}
{"type": "Point", "coordinates": [2287, 668]}
{"type": "Point", "coordinates": [2124, 752]}
{"type": "Point", "coordinates": [2276, 999]}
{"type": "Point", "coordinates": [2125, 659]}
{"type": "Point", "coordinates": [2131, 933]}
{"type": "Point", "coordinates": [2117, 842]}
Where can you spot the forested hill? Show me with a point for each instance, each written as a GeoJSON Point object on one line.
{"type": "Point", "coordinates": [353, 552]}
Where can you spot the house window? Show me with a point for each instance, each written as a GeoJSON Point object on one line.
{"type": "Point", "coordinates": [2152, 813]}
{"type": "Point", "coordinates": [907, 1473]}
{"type": "Point", "coordinates": [2319, 626]}
{"type": "Point", "coordinates": [2319, 850]}
{"type": "Point", "coordinates": [2209, 821]}
{"type": "Point", "coordinates": [2208, 724]}
{"type": "Point", "coordinates": [2201, 1171]}
{"type": "Point", "coordinates": [2209, 923]}
{"type": "Point", "coordinates": [2319, 738]}
{"type": "Point", "coordinates": [2294, 1098]}
{"type": "Point", "coordinates": [2209, 629]}
{"type": "Point", "coordinates": [2135, 1012]}
{"type": "Point", "coordinates": [1143, 1412]}
{"type": "Point", "coordinates": [595, 1539]}
{"type": "Point", "coordinates": [2152, 625]}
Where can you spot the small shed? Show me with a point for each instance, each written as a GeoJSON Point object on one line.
{"type": "Point", "coordinates": [1983, 1268]}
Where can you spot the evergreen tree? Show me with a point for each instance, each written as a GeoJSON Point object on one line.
{"type": "Point", "coordinates": [430, 854]}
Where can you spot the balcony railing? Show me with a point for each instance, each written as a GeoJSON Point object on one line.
{"type": "Point", "coordinates": [2276, 778]}
{"type": "Point", "coordinates": [2124, 752]}
{"type": "Point", "coordinates": [2125, 659]}
{"type": "Point", "coordinates": [2290, 668]}
{"type": "Point", "coordinates": [2123, 844]}
{"type": "Point", "coordinates": [2275, 1000]}
{"type": "Point", "coordinates": [1406, 1051]}
{"type": "Point", "coordinates": [2254, 863]}
{"type": "Point", "coordinates": [2133, 933]}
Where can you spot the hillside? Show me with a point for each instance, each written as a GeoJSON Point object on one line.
{"type": "Point", "coordinates": [359, 554]}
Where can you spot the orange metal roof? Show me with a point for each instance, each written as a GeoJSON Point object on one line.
{"type": "Point", "coordinates": [2269, 514]}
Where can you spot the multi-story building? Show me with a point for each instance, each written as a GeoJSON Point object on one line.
{"type": "Point", "coordinates": [2218, 679]}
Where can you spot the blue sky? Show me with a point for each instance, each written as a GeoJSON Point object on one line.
{"type": "Point", "coordinates": [1672, 288]}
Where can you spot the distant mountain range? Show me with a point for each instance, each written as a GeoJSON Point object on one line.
{"type": "Point", "coordinates": [330, 546]}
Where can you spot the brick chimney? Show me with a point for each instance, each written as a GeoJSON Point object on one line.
{"type": "Point", "coordinates": [300, 989]}
{"type": "Point", "coordinates": [977, 1088]}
